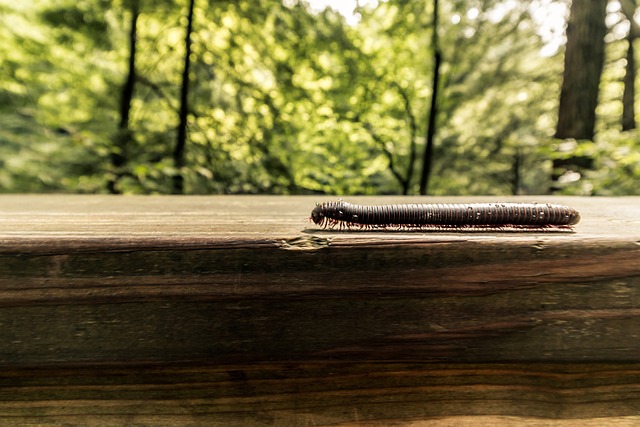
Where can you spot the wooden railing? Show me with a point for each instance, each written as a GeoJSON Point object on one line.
{"type": "Point", "coordinates": [238, 311]}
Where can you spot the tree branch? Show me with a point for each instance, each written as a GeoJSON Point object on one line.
{"type": "Point", "coordinates": [377, 138]}
{"type": "Point", "coordinates": [413, 132]}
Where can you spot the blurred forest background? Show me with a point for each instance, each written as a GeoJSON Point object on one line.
{"type": "Point", "coordinates": [289, 97]}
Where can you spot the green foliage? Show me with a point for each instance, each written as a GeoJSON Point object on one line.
{"type": "Point", "coordinates": [616, 155]}
{"type": "Point", "coordinates": [616, 171]}
{"type": "Point", "coordinates": [288, 100]}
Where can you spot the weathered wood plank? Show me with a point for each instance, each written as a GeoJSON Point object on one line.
{"type": "Point", "coordinates": [320, 394]}
{"type": "Point", "coordinates": [235, 311]}
{"type": "Point", "coordinates": [257, 218]}
{"type": "Point", "coordinates": [87, 279]}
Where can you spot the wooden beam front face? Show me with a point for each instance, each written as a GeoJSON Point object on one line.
{"type": "Point", "coordinates": [124, 280]}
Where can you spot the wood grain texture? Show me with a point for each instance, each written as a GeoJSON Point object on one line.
{"type": "Point", "coordinates": [91, 279]}
{"type": "Point", "coordinates": [323, 394]}
{"type": "Point", "coordinates": [237, 311]}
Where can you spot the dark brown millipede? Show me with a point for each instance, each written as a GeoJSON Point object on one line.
{"type": "Point", "coordinates": [446, 216]}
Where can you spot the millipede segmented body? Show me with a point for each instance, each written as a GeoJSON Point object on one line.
{"type": "Point", "coordinates": [444, 216]}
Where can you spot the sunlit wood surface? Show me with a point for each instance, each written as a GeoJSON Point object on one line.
{"type": "Point", "coordinates": [235, 310]}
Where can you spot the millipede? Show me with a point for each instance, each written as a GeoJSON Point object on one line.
{"type": "Point", "coordinates": [480, 216]}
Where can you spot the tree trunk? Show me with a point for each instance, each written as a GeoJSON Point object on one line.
{"type": "Point", "coordinates": [427, 161]}
{"type": "Point", "coordinates": [124, 135]}
{"type": "Point", "coordinates": [517, 170]}
{"type": "Point", "coordinates": [584, 59]}
{"type": "Point", "coordinates": [181, 140]}
{"type": "Point", "coordinates": [629, 95]}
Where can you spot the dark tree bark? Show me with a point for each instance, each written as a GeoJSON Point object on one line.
{"type": "Point", "coordinates": [629, 94]}
{"type": "Point", "coordinates": [517, 171]}
{"type": "Point", "coordinates": [427, 160]}
{"type": "Point", "coordinates": [124, 135]}
{"type": "Point", "coordinates": [181, 140]}
{"type": "Point", "coordinates": [584, 59]}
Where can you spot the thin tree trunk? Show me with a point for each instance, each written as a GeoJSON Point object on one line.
{"type": "Point", "coordinates": [413, 131]}
{"type": "Point", "coordinates": [405, 182]}
{"type": "Point", "coordinates": [517, 166]}
{"type": "Point", "coordinates": [629, 94]}
{"type": "Point", "coordinates": [584, 59]}
{"type": "Point", "coordinates": [181, 140]}
{"type": "Point", "coordinates": [124, 135]}
{"type": "Point", "coordinates": [427, 161]}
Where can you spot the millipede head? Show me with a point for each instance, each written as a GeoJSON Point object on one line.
{"type": "Point", "coordinates": [317, 216]}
